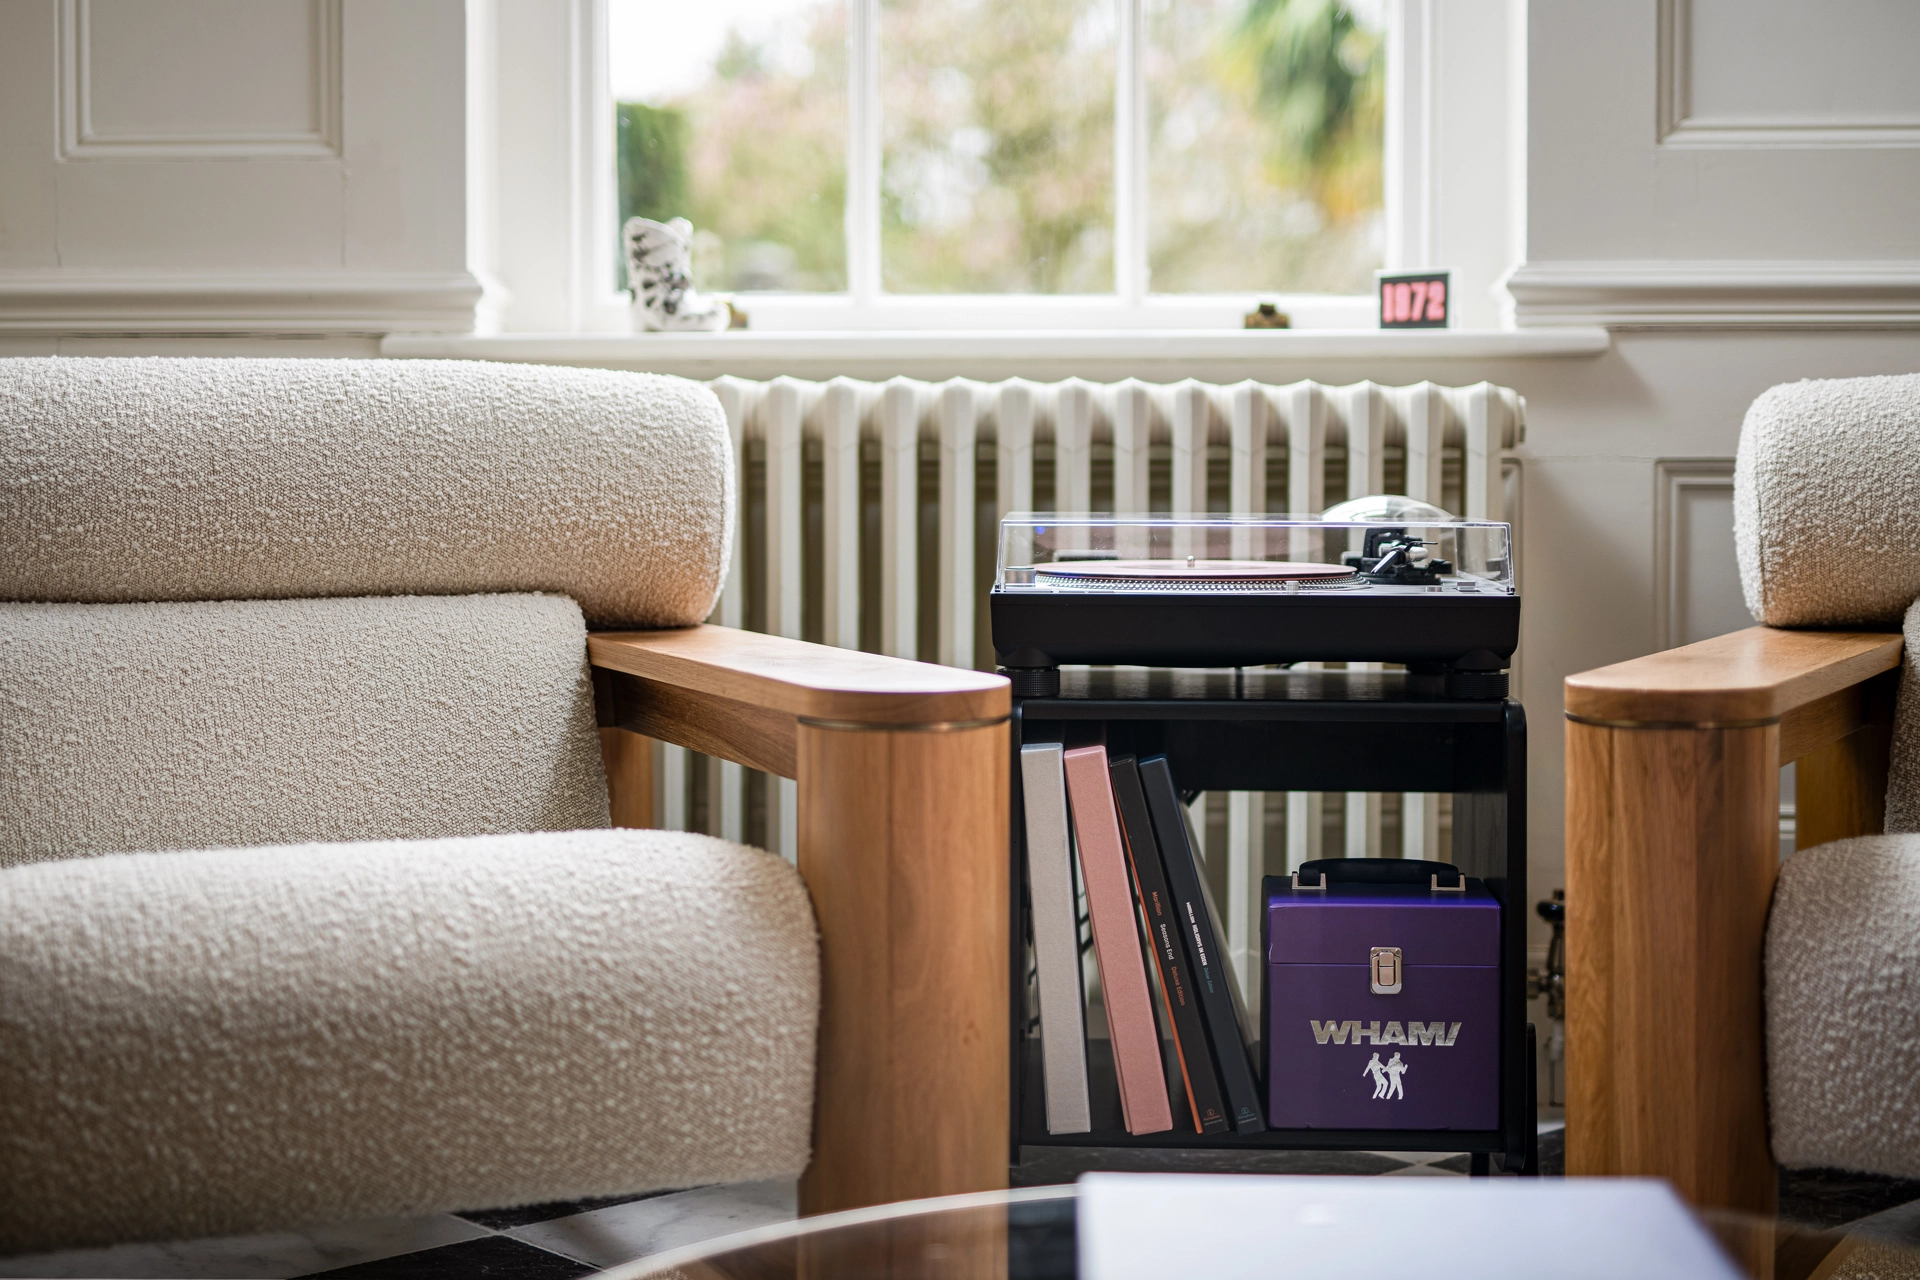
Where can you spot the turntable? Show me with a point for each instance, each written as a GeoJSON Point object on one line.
{"type": "Point", "coordinates": [1380, 579]}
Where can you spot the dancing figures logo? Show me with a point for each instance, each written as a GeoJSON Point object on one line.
{"type": "Point", "coordinates": [1389, 1076]}
{"type": "Point", "coordinates": [1386, 1076]}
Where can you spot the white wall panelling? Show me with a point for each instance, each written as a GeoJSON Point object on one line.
{"type": "Point", "coordinates": [245, 78]}
{"type": "Point", "coordinates": [1783, 73]}
{"type": "Point", "coordinates": [1763, 203]}
{"type": "Point", "coordinates": [1696, 580]}
{"type": "Point", "coordinates": [233, 167]}
{"type": "Point", "coordinates": [1756, 294]}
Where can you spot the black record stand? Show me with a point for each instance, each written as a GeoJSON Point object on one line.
{"type": "Point", "coordinates": [1262, 729]}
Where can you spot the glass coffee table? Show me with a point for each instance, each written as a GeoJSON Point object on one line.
{"type": "Point", "coordinates": [1031, 1235]}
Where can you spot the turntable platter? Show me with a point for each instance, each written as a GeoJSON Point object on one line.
{"type": "Point", "coordinates": [1174, 573]}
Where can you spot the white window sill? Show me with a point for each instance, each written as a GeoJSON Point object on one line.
{"type": "Point", "coordinates": [1147, 353]}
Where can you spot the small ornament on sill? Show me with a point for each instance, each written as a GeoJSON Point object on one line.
{"type": "Point", "coordinates": [1268, 316]}
{"type": "Point", "coordinates": [1414, 300]}
{"type": "Point", "coordinates": [660, 274]}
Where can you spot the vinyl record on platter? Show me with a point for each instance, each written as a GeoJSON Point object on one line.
{"type": "Point", "coordinates": [1189, 572]}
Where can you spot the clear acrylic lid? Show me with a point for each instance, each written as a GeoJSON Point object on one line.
{"type": "Point", "coordinates": [1044, 552]}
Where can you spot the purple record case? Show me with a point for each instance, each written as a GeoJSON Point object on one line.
{"type": "Point", "coordinates": [1419, 1051]}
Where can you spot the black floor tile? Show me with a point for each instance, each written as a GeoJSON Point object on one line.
{"type": "Point", "coordinates": [495, 1257]}
{"type": "Point", "coordinates": [1046, 1166]}
{"type": "Point", "coordinates": [1041, 1240]}
{"type": "Point", "coordinates": [1831, 1197]}
{"type": "Point", "coordinates": [526, 1214]}
{"type": "Point", "coordinates": [1553, 1153]}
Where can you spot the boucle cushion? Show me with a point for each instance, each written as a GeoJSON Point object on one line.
{"type": "Point", "coordinates": [176, 726]}
{"type": "Point", "coordinates": [1826, 498]}
{"type": "Point", "coordinates": [1843, 1007]}
{"type": "Point", "coordinates": [1903, 769]}
{"type": "Point", "coordinates": [171, 479]}
{"type": "Point", "coordinates": [219, 1042]}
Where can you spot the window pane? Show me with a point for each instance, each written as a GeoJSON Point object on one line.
{"type": "Point", "coordinates": [1265, 121]}
{"type": "Point", "coordinates": [733, 114]}
{"type": "Point", "coordinates": [997, 117]}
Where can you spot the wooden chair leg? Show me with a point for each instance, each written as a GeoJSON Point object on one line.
{"type": "Point", "coordinates": [1672, 850]}
{"type": "Point", "coordinates": [903, 844]}
{"type": "Point", "coordinates": [628, 758]}
{"type": "Point", "coordinates": [1840, 790]}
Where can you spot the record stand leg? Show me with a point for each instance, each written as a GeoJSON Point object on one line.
{"type": "Point", "coordinates": [1531, 1139]}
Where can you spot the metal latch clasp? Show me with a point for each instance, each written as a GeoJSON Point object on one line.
{"type": "Point", "coordinates": [1386, 966]}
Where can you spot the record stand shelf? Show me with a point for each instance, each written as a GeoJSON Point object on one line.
{"type": "Point", "coordinates": [1272, 729]}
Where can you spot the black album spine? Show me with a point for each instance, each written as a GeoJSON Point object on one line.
{"type": "Point", "coordinates": [1169, 951]}
{"type": "Point", "coordinates": [1210, 977]}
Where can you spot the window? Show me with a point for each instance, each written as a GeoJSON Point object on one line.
{"type": "Point", "coordinates": [733, 114]}
{"type": "Point", "coordinates": [1099, 151]}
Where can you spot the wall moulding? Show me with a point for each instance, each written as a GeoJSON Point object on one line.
{"type": "Point", "coordinates": [1677, 483]}
{"type": "Point", "coordinates": [1718, 295]}
{"type": "Point", "coordinates": [1682, 124]}
{"type": "Point", "coordinates": [84, 136]}
{"type": "Point", "coordinates": [73, 301]}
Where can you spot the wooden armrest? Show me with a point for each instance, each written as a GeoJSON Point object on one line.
{"type": "Point", "coordinates": [911, 1096]}
{"type": "Point", "coordinates": [813, 681]}
{"type": "Point", "coordinates": [741, 695]}
{"type": "Point", "coordinates": [1673, 845]}
{"type": "Point", "coordinates": [1750, 676]}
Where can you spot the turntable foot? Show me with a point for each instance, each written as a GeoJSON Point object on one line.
{"type": "Point", "coordinates": [1035, 682]}
{"type": "Point", "coordinates": [1489, 686]}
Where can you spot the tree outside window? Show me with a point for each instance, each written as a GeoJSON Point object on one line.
{"type": "Point", "coordinates": [1260, 125]}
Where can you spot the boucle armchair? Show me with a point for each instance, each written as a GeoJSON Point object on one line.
{"type": "Point", "coordinates": [314, 898]}
{"type": "Point", "coordinates": [1718, 1022]}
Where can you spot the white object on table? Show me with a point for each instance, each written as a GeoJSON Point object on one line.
{"type": "Point", "coordinates": [1225, 1227]}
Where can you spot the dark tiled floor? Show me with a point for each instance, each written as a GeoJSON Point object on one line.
{"type": "Point", "coordinates": [494, 1256]}
{"type": "Point", "coordinates": [526, 1214]}
{"type": "Point", "coordinates": [1046, 1166]}
{"type": "Point", "coordinates": [1831, 1197]}
{"type": "Point", "coordinates": [1553, 1153]}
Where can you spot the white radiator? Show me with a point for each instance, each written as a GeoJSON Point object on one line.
{"type": "Point", "coordinates": [868, 512]}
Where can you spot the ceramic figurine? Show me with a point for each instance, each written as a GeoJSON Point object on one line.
{"type": "Point", "coordinates": [659, 271]}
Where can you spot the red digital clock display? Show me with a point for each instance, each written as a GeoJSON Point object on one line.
{"type": "Point", "coordinates": [1413, 300]}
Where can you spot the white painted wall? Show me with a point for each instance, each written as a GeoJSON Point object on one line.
{"type": "Point", "coordinates": [1730, 185]}
{"type": "Point", "coordinates": [233, 166]}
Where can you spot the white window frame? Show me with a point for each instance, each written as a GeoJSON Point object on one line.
{"type": "Point", "coordinates": [1430, 118]}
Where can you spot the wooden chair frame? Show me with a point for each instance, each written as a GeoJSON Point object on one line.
{"type": "Point", "coordinates": [903, 793]}
{"type": "Point", "coordinates": [1673, 787]}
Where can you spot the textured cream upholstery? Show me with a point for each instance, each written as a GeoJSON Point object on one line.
{"type": "Point", "coordinates": [1826, 499]}
{"type": "Point", "coordinates": [1843, 1014]}
{"type": "Point", "coordinates": [213, 1040]}
{"type": "Point", "coordinates": [188, 726]}
{"type": "Point", "coordinates": [219, 1042]}
{"type": "Point", "coordinates": [1903, 765]}
{"type": "Point", "coordinates": [168, 479]}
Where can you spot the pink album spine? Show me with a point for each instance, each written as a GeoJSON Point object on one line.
{"type": "Point", "coordinates": [1116, 943]}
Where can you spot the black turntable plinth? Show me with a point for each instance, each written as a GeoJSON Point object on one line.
{"type": "Point", "coordinates": [1159, 592]}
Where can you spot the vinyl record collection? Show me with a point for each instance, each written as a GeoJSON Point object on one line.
{"type": "Point", "coordinates": [1137, 864]}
